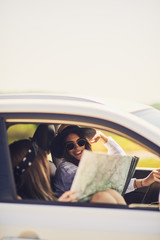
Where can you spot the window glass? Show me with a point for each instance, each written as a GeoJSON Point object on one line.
{"type": "Point", "coordinates": [146, 158]}
{"type": "Point", "coordinates": [20, 131]}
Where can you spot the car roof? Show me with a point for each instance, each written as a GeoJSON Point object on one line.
{"type": "Point", "coordinates": [72, 105]}
{"type": "Point", "coordinates": [128, 106]}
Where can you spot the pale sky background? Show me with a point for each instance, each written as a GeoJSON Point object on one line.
{"type": "Point", "coordinates": [97, 48]}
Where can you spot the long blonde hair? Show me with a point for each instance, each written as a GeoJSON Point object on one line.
{"type": "Point", "coordinates": [34, 183]}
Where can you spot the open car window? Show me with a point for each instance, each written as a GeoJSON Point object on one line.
{"type": "Point", "coordinates": [147, 160]}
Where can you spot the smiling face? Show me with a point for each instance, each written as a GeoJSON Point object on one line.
{"type": "Point", "coordinates": [77, 150]}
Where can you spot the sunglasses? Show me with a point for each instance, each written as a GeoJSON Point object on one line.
{"type": "Point", "coordinates": [70, 145]}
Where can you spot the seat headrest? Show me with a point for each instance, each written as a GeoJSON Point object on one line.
{"type": "Point", "coordinates": [44, 135]}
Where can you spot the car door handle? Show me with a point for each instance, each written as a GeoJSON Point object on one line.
{"type": "Point", "coordinates": [26, 235]}
{"type": "Point", "coordinates": [17, 238]}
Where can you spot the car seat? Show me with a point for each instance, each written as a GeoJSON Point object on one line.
{"type": "Point", "coordinates": [44, 136]}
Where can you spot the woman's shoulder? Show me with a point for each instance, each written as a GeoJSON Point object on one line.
{"type": "Point", "coordinates": [66, 168]}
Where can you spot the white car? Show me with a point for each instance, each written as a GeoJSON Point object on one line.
{"type": "Point", "coordinates": [136, 127]}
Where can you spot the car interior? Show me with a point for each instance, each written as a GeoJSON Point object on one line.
{"type": "Point", "coordinates": [43, 134]}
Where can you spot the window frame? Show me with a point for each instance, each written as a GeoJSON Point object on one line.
{"type": "Point", "coordinates": [8, 191]}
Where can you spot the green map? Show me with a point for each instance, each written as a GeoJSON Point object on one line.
{"type": "Point", "coordinates": [99, 171]}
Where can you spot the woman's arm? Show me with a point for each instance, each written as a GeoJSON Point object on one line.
{"type": "Point", "coordinates": [99, 135]}
{"type": "Point", "coordinates": [112, 146]}
{"type": "Point", "coordinates": [154, 176]}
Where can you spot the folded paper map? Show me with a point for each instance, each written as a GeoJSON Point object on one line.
{"type": "Point", "coordinates": [100, 171]}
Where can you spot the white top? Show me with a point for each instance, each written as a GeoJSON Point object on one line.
{"type": "Point", "coordinates": [115, 149]}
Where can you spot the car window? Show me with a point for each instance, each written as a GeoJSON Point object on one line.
{"type": "Point", "coordinates": [147, 160]}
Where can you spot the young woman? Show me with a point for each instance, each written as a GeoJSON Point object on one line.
{"type": "Point", "coordinates": [70, 143]}
{"type": "Point", "coordinates": [32, 176]}
{"type": "Point", "coordinates": [32, 173]}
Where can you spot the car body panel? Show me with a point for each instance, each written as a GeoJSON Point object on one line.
{"type": "Point", "coordinates": [59, 222]}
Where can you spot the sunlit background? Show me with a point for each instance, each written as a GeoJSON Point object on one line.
{"type": "Point", "coordinates": [97, 48]}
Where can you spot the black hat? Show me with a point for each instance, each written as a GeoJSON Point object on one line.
{"type": "Point", "coordinates": [58, 144]}
{"type": "Point", "coordinates": [44, 136]}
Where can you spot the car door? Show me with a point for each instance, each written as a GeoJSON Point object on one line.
{"type": "Point", "coordinates": [47, 220]}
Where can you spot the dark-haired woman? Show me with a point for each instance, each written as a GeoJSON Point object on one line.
{"type": "Point", "coordinates": [70, 143]}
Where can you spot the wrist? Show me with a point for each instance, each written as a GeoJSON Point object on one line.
{"type": "Point", "coordinates": [135, 184]}
{"type": "Point", "coordinates": [145, 182]}
{"type": "Point", "coordinates": [142, 184]}
{"type": "Point", "coordinates": [103, 137]}
{"type": "Point", "coordinates": [138, 183]}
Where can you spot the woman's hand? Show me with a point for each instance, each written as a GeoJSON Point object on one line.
{"type": "Point", "coordinates": [154, 176]}
{"type": "Point", "coordinates": [19, 197]}
{"type": "Point", "coordinates": [97, 136]}
{"type": "Point", "coordinates": [68, 196]}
